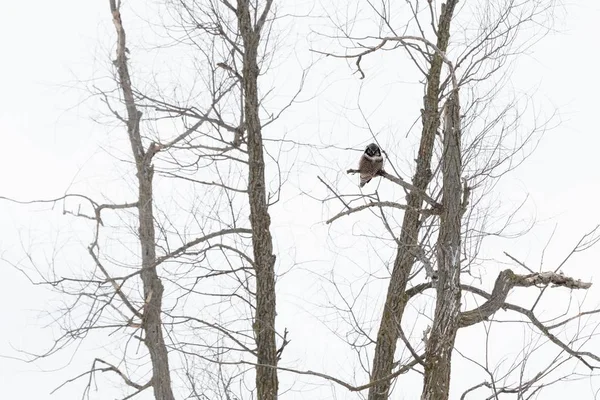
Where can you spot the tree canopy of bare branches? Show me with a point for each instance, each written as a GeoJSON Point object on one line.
{"type": "Point", "coordinates": [182, 283]}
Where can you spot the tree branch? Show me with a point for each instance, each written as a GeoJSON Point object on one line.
{"type": "Point", "coordinates": [507, 280]}
{"type": "Point", "coordinates": [402, 370]}
{"type": "Point", "coordinates": [401, 182]}
{"type": "Point", "coordinates": [379, 204]}
{"type": "Point", "coordinates": [199, 240]}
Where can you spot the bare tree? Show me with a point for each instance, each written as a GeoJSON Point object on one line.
{"type": "Point", "coordinates": [187, 289]}
{"type": "Point", "coordinates": [208, 281]}
{"type": "Point", "coordinates": [153, 288]}
{"type": "Point", "coordinates": [436, 238]}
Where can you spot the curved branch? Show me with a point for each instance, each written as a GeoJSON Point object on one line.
{"type": "Point", "coordinates": [182, 249]}
{"type": "Point", "coordinates": [504, 283]}
{"type": "Point", "coordinates": [109, 368]}
{"type": "Point", "coordinates": [402, 40]}
{"type": "Point", "coordinates": [379, 204]}
{"type": "Point", "coordinates": [402, 370]}
{"type": "Point", "coordinates": [507, 280]}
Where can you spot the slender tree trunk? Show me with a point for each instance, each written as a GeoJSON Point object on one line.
{"type": "Point", "coordinates": [388, 334]}
{"type": "Point", "coordinates": [264, 259]}
{"type": "Point", "coordinates": [153, 291]}
{"type": "Point", "coordinates": [438, 352]}
{"type": "Point", "coordinates": [153, 288]}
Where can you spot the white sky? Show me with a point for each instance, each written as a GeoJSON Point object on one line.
{"type": "Point", "coordinates": [51, 144]}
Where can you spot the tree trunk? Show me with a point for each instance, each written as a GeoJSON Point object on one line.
{"type": "Point", "coordinates": [438, 351]}
{"type": "Point", "coordinates": [153, 288]}
{"type": "Point", "coordinates": [153, 291]}
{"type": "Point", "coordinates": [388, 333]}
{"type": "Point", "coordinates": [260, 221]}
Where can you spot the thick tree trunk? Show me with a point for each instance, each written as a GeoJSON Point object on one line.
{"type": "Point", "coordinates": [260, 221]}
{"type": "Point", "coordinates": [438, 352]}
{"type": "Point", "coordinates": [153, 288]}
{"type": "Point", "coordinates": [388, 333]}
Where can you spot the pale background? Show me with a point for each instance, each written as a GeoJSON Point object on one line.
{"type": "Point", "coordinates": [51, 144]}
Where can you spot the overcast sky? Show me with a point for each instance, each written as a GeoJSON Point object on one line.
{"type": "Point", "coordinates": [52, 144]}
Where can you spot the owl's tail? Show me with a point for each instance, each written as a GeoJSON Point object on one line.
{"type": "Point", "coordinates": [364, 179]}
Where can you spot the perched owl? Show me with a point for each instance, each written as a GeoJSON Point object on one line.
{"type": "Point", "coordinates": [370, 163]}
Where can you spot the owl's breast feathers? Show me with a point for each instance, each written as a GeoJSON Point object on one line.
{"type": "Point", "coordinates": [369, 166]}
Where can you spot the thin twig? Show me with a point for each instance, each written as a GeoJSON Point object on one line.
{"type": "Point", "coordinates": [334, 193]}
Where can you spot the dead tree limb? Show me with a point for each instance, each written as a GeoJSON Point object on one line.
{"type": "Point", "coordinates": [506, 281]}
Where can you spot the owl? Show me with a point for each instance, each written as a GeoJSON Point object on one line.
{"type": "Point", "coordinates": [371, 162]}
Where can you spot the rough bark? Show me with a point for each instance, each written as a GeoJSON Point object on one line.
{"type": "Point", "coordinates": [438, 351]}
{"type": "Point", "coordinates": [262, 242]}
{"type": "Point", "coordinates": [388, 333]}
{"type": "Point", "coordinates": [153, 288]}
{"type": "Point", "coordinates": [507, 280]}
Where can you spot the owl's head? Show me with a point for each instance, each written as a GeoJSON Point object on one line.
{"type": "Point", "coordinates": [373, 150]}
